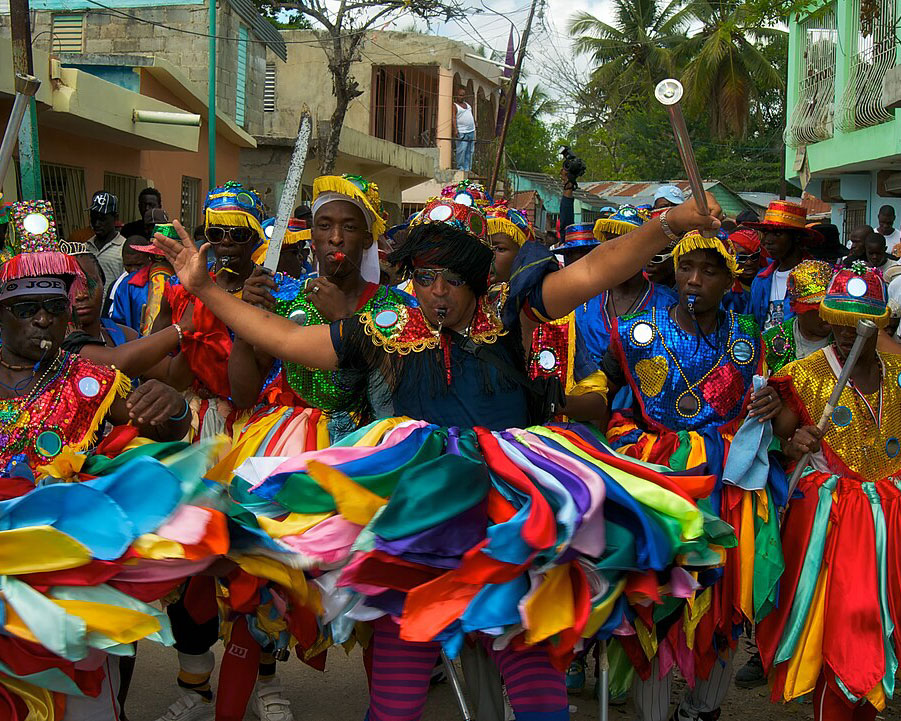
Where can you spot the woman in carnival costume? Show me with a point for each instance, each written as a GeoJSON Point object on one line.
{"type": "Point", "coordinates": [835, 631]}
{"type": "Point", "coordinates": [76, 562]}
{"type": "Point", "coordinates": [451, 556]}
{"type": "Point", "coordinates": [689, 373]}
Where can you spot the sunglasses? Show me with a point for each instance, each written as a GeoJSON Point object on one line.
{"type": "Point", "coordinates": [239, 234]}
{"type": "Point", "coordinates": [29, 308]}
{"type": "Point", "coordinates": [426, 276]}
{"type": "Point", "coordinates": [747, 257]}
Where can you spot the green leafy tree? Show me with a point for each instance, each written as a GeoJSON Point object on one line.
{"type": "Point", "coordinates": [727, 67]}
{"type": "Point", "coordinates": [282, 15]}
{"type": "Point", "coordinates": [530, 139]}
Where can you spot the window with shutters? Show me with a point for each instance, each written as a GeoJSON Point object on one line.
{"type": "Point", "coordinates": [241, 76]}
{"type": "Point", "coordinates": [190, 201]}
{"type": "Point", "coordinates": [67, 32]}
{"type": "Point", "coordinates": [269, 89]}
{"type": "Point", "coordinates": [125, 188]}
{"type": "Point", "coordinates": [64, 188]}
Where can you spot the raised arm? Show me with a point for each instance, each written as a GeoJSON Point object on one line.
{"type": "Point", "coordinates": [279, 337]}
{"type": "Point", "coordinates": [138, 356]}
{"type": "Point", "coordinates": [619, 259]}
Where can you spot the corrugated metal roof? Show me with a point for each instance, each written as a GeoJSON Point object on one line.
{"type": "Point", "coordinates": [261, 27]}
{"type": "Point", "coordinates": [552, 185]}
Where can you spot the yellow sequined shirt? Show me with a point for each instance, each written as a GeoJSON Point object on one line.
{"type": "Point", "coordinates": [864, 431]}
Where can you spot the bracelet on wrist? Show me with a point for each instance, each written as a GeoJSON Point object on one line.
{"type": "Point", "coordinates": [666, 228]}
{"type": "Point", "coordinates": [182, 415]}
{"type": "Point", "coordinates": [181, 334]}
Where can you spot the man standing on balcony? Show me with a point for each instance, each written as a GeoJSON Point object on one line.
{"type": "Point", "coordinates": [464, 127]}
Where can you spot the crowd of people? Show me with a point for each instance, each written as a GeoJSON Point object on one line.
{"type": "Point", "coordinates": [447, 435]}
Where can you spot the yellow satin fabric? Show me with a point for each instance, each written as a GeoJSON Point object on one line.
{"type": "Point", "coordinates": [598, 616]}
{"type": "Point", "coordinates": [253, 436]}
{"type": "Point", "coordinates": [550, 609]}
{"type": "Point", "coordinates": [291, 578]}
{"type": "Point", "coordinates": [37, 549]}
{"type": "Point", "coordinates": [805, 665]}
{"type": "Point", "coordinates": [122, 625]}
{"type": "Point", "coordinates": [39, 701]}
{"type": "Point", "coordinates": [152, 546]}
{"type": "Point", "coordinates": [357, 504]}
{"type": "Point", "coordinates": [293, 525]}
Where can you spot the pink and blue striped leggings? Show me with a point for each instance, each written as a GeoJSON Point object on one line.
{"type": "Point", "coordinates": [401, 671]}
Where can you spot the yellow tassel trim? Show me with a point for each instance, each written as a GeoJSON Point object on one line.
{"type": "Point", "coordinates": [337, 184]}
{"type": "Point", "coordinates": [233, 218]}
{"type": "Point", "coordinates": [695, 241]}
{"type": "Point", "coordinates": [607, 226]}
{"type": "Point", "coordinates": [119, 388]}
{"type": "Point", "coordinates": [598, 230]}
{"type": "Point", "coordinates": [850, 318]}
{"type": "Point", "coordinates": [502, 225]}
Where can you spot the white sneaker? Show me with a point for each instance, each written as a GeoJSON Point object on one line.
{"type": "Point", "coordinates": [270, 703]}
{"type": "Point", "coordinates": [189, 707]}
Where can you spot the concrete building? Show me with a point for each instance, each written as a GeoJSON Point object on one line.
{"type": "Point", "coordinates": [843, 134]}
{"type": "Point", "coordinates": [98, 65]}
{"type": "Point", "coordinates": [397, 133]}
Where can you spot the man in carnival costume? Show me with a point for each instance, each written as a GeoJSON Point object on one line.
{"type": "Point", "coordinates": [747, 255]}
{"type": "Point", "coordinates": [835, 632]}
{"type": "Point", "coordinates": [785, 239]}
{"type": "Point", "coordinates": [688, 373]}
{"type": "Point", "coordinates": [455, 359]}
{"type": "Point", "coordinates": [233, 217]}
{"type": "Point", "coordinates": [806, 332]}
{"type": "Point", "coordinates": [53, 407]}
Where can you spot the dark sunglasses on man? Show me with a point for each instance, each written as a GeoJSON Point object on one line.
{"type": "Point", "coordinates": [747, 257]}
{"type": "Point", "coordinates": [25, 309]}
{"type": "Point", "coordinates": [239, 234]}
{"type": "Point", "coordinates": [426, 276]}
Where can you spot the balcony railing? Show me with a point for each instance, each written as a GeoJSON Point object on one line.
{"type": "Point", "coordinates": [812, 118]}
{"type": "Point", "coordinates": [874, 54]}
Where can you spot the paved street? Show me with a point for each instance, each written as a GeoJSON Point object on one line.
{"type": "Point", "coordinates": [340, 694]}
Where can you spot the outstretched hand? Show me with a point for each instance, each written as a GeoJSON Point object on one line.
{"type": "Point", "coordinates": [188, 261]}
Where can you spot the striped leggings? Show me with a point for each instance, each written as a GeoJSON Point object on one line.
{"type": "Point", "coordinates": [401, 671]}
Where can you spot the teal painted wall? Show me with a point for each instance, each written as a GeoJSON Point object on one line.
{"type": "Point", "coordinates": [124, 77]}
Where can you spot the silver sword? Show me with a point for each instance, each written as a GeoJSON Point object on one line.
{"type": "Point", "coordinates": [26, 87]}
{"type": "Point", "coordinates": [669, 93]}
{"type": "Point", "coordinates": [456, 686]}
{"type": "Point", "coordinates": [289, 193]}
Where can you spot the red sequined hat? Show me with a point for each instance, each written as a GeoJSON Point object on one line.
{"type": "Point", "coordinates": [470, 219]}
{"type": "Point", "coordinates": [856, 292]}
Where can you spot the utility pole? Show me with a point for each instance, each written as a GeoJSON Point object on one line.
{"type": "Point", "coordinates": [211, 103]}
{"type": "Point", "coordinates": [511, 100]}
{"type": "Point", "coordinates": [29, 157]}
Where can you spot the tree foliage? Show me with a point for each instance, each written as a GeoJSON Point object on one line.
{"type": "Point", "coordinates": [530, 143]}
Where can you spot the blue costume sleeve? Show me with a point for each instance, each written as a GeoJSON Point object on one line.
{"type": "Point", "coordinates": [532, 264]}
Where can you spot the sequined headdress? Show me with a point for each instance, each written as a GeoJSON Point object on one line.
{"type": "Point", "coordinates": [510, 221]}
{"type": "Point", "coordinates": [624, 220]}
{"type": "Point", "coordinates": [234, 205]}
{"type": "Point", "coordinates": [357, 187]}
{"type": "Point", "coordinates": [854, 293]}
{"type": "Point", "coordinates": [807, 285]}
{"type": "Point", "coordinates": [468, 218]}
{"type": "Point", "coordinates": [467, 192]}
{"type": "Point", "coordinates": [782, 215]}
{"type": "Point", "coordinates": [33, 247]}
{"type": "Point", "coordinates": [578, 235]}
{"type": "Point", "coordinates": [695, 241]}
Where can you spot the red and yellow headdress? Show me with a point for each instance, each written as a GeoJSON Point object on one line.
{"type": "Point", "coordinates": [854, 293]}
{"type": "Point", "coordinates": [807, 285]}
{"type": "Point", "coordinates": [510, 221]}
{"type": "Point", "coordinates": [468, 218]}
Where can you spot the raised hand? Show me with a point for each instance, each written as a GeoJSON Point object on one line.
{"type": "Point", "coordinates": [258, 289]}
{"type": "Point", "coordinates": [686, 217]}
{"type": "Point", "coordinates": [189, 262]}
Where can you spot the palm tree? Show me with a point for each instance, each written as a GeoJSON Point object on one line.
{"type": "Point", "coordinates": [637, 51]}
{"type": "Point", "coordinates": [535, 102]}
{"type": "Point", "coordinates": [727, 64]}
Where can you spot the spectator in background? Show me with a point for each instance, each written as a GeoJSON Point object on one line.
{"type": "Point", "coordinates": [831, 249]}
{"type": "Point", "coordinates": [107, 241]}
{"type": "Point", "coordinates": [303, 212]}
{"type": "Point", "coordinates": [887, 229]}
{"type": "Point", "coordinates": [876, 255]}
{"type": "Point", "coordinates": [747, 216]}
{"type": "Point", "coordinates": [856, 250]}
{"type": "Point", "coordinates": [148, 199]}
{"type": "Point", "coordinates": [729, 226]}
{"type": "Point", "coordinates": [464, 127]}
{"type": "Point", "coordinates": [668, 196]}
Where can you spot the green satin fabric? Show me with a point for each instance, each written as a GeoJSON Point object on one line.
{"type": "Point", "coordinates": [768, 561]}
{"type": "Point", "coordinates": [891, 662]}
{"type": "Point", "coordinates": [302, 494]}
{"type": "Point", "coordinates": [810, 572]}
{"type": "Point", "coordinates": [57, 631]}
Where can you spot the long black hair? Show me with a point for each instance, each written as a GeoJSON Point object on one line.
{"type": "Point", "coordinates": [448, 247]}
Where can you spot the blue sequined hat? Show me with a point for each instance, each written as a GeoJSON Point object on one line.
{"type": "Point", "coordinates": [233, 204]}
{"type": "Point", "coordinates": [580, 235]}
{"type": "Point", "coordinates": [624, 220]}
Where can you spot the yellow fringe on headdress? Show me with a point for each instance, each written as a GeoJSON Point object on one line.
{"type": "Point", "coordinates": [507, 227]}
{"type": "Point", "coordinates": [848, 317]}
{"type": "Point", "coordinates": [609, 226]}
{"type": "Point", "coordinates": [598, 230]}
{"type": "Point", "coordinates": [371, 199]}
{"type": "Point", "coordinates": [695, 241]}
{"type": "Point", "coordinates": [259, 255]}
{"type": "Point", "coordinates": [233, 218]}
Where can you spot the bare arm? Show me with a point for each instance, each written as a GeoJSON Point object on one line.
{"type": "Point", "coordinates": [310, 346]}
{"type": "Point", "coordinates": [617, 260]}
{"type": "Point", "coordinates": [246, 372]}
{"type": "Point", "coordinates": [135, 357]}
